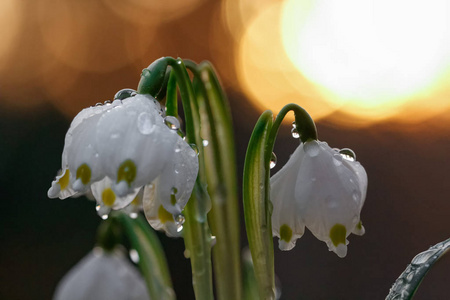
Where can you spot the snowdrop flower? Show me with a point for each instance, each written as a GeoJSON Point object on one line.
{"type": "Point", "coordinates": [323, 189]}
{"type": "Point", "coordinates": [102, 275]}
{"type": "Point", "coordinates": [114, 150]}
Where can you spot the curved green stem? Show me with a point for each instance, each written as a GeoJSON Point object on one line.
{"type": "Point", "coordinates": [303, 122]}
{"type": "Point", "coordinates": [171, 97]}
{"type": "Point", "coordinates": [257, 206]}
{"type": "Point", "coordinates": [220, 164]}
{"type": "Point", "coordinates": [197, 235]}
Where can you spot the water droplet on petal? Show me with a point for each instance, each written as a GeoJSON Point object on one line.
{"type": "Point", "coordinates": [123, 94]}
{"type": "Point", "coordinates": [194, 147]}
{"type": "Point", "coordinates": [145, 123]}
{"type": "Point", "coordinates": [355, 196]}
{"type": "Point", "coordinates": [273, 160]}
{"type": "Point", "coordinates": [205, 143]}
{"type": "Point", "coordinates": [295, 133]}
{"type": "Point", "coordinates": [312, 148]}
{"type": "Point", "coordinates": [179, 221]}
{"type": "Point", "coordinates": [172, 122]}
{"type": "Point", "coordinates": [133, 215]}
{"type": "Point", "coordinates": [348, 154]}
{"type": "Point", "coordinates": [134, 256]}
{"type": "Point", "coordinates": [294, 125]}
{"type": "Point", "coordinates": [98, 104]}
{"type": "Point", "coordinates": [107, 102]}
{"type": "Point", "coordinates": [105, 216]}
{"type": "Point", "coordinates": [97, 208]}
{"type": "Point", "coordinates": [174, 191]}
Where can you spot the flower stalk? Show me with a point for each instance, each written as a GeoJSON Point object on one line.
{"type": "Point", "coordinates": [197, 234]}
{"type": "Point", "coordinates": [220, 164]}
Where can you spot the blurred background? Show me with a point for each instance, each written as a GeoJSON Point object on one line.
{"type": "Point", "coordinates": [374, 75]}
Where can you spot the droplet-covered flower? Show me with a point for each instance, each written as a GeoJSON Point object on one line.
{"type": "Point", "coordinates": [323, 189]}
{"type": "Point", "coordinates": [114, 150]}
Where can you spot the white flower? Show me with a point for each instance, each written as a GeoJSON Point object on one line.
{"type": "Point", "coordinates": [114, 150]}
{"type": "Point", "coordinates": [323, 189]}
{"type": "Point", "coordinates": [102, 275]}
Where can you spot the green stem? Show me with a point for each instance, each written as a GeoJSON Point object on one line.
{"type": "Point", "coordinates": [303, 122]}
{"type": "Point", "coordinates": [152, 261]}
{"type": "Point", "coordinates": [171, 97]}
{"type": "Point", "coordinates": [220, 163]}
{"type": "Point", "coordinates": [197, 235]}
{"type": "Point", "coordinates": [258, 208]}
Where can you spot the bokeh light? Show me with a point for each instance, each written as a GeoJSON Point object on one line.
{"type": "Point", "coordinates": [372, 57]}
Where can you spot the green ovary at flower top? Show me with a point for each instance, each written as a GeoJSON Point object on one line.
{"type": "Point", "coordinates": [323, 189]}
{"type": "Point", "coordinates": [118, 150]}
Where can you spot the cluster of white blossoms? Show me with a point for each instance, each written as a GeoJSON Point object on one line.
{"type": "Point", "coordinates": [128, 156]}
{"type": "Point", "coordinates": [323, 189]}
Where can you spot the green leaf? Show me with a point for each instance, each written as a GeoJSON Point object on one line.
{"type": "Point", "coordinates": [406, 285]}
{"type": "Point", "coordinates": [257, 206]}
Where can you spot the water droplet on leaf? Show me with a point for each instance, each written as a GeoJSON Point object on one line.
{"type": "Point", "coordinates": [273, 160]}
{"type": "Point", "coordinates": [172, 122]}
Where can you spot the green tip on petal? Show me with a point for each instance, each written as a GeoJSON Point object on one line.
{"type": "Point", "coordinates": [84, 173]}
{"type": "Point", "coordinates": [285, 233]}
{"type": "Point", "coordinates": [127, 172]}
{"type": "Point", "coordinates": [338, 234]}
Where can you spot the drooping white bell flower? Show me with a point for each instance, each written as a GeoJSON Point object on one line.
{"type": "Point", "coordinates": [166, 197]}
{"type": "Point", "coordinates": [323, 189]}
{"type": "Point", "coordinates": [102, 275]}
{"type": "Point", "coordinates": [114, 150]}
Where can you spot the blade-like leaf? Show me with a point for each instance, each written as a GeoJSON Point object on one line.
{"type": "Point", "coordinates": [408, 282]}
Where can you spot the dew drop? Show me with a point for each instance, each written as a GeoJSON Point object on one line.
{"type": "Point", "coordinates": [145, 72]}
{"type": "Point", "coordinates": [134, 256]}
{"type": "Point", "coordinates": [107, 102]}
{"type": "Point", "coordinates": [194, 147]}
{"type": "Point", "coordinates": [312, 148]}
{"type": "Point", "coordinates": [294, 125]}
{"type": "Point", "coordinates": [173, 191]}
{"type": "Point", "coordinates": [205, 143]}
{"type": "Point", "coordinates": [273, 160]}
{"type": "Point", "coordinates": [98, 104]}
{"type": "Point", "coordinates": [172, 122]}
{"type": "Point", "coordinates": [105, 216]}
{"type": "Point", "coordinates": [295, 133]}
{"type": "Point", "coordinates": [177, 149]}
{"type": "Point", "coordinates": [179, 221]}
{"type": "Point", "coordinates": [97, 208]}
{"type": "Point", "coordinates": [123, 94]}
{"type": "Point", "coordinates": [133, 215]}
{"type": "Point", "coordinates": [348, 154]}
{"type": "Point", "coordinates": [213, 240]}
{"type": "Point", "coordinates": [145, 123]}
{"type": "Point", "coordinates": [355, 196]}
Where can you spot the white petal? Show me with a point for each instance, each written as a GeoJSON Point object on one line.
{"type": "Point", "coordinates": [102, 276]}
{"type": "Point", "coordinates": [134, 138]}
{"type": "Point", "coordinates": [107, 199]}
{"type": "Point", "coordinates": [325, 191]}
{"type": "Point", "coordinates": [175, 184]}
{"type": "Point", "coordinates": [286, 222]}
{"type": "Point", "coordinates": [157, 216]}
{"type": "Point", "coordinates": [61, 186]}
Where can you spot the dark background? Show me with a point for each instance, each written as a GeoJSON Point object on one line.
{"type": "Point", "coordinates": [407, 207]}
